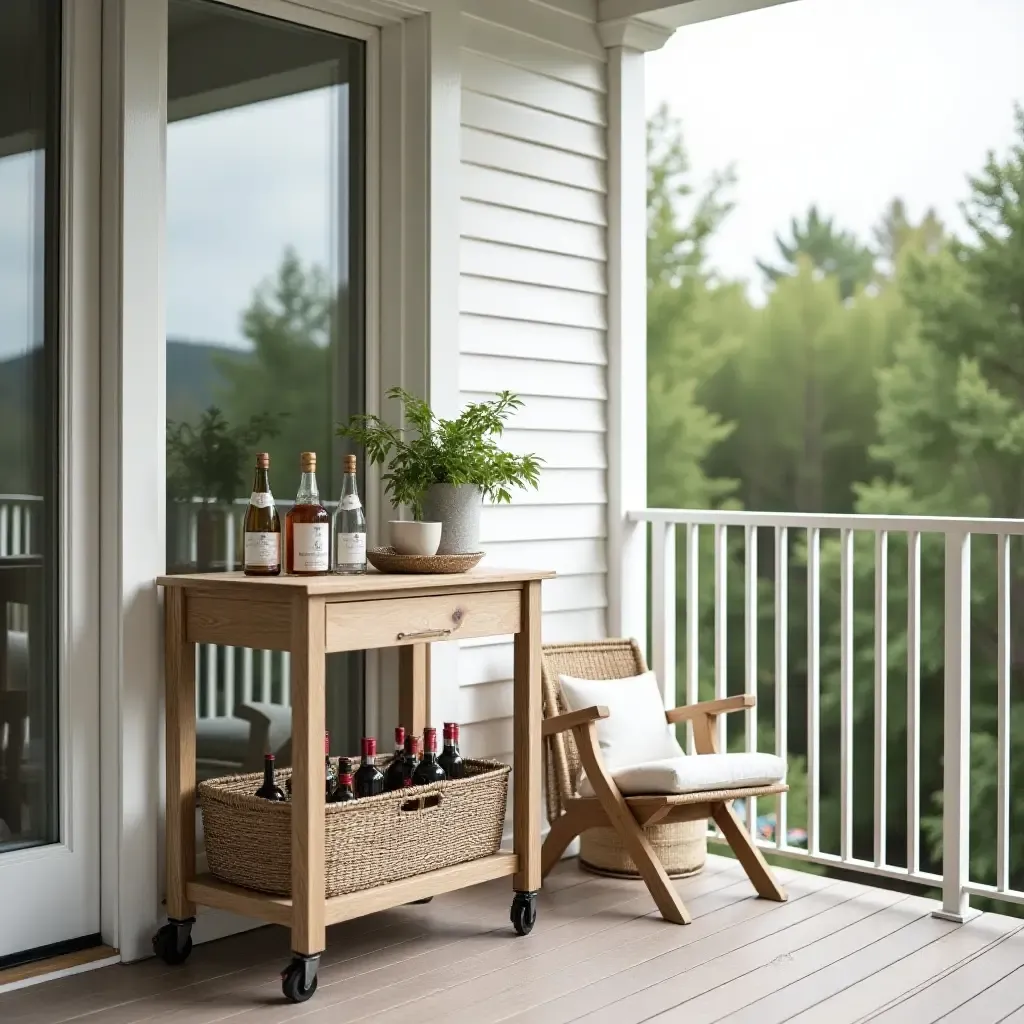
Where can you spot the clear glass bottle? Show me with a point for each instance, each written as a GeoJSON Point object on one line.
{"type": "Point", "coordinates": [308, 527]}
{"type": "Point", "coordinates": [349, 525]}
{"type": "Point", "coordinates": [262, 528]}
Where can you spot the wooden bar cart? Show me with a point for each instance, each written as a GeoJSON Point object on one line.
{"type": "Point", "coordinates": [312, 617]}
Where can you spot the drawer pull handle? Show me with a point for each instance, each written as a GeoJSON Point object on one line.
{"type": "Point", "coordinates": [424, 634]}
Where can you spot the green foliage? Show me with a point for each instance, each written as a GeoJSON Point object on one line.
{"type": "Point", "coordinates": [459, 451]}
{"type": "Point", "coordinates": [831, 251]}
{"type": "Point", "coordinates": [208, 461]}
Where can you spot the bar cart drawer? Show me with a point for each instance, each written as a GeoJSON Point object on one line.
{"type": "Point", "coordinates": [356, 625]}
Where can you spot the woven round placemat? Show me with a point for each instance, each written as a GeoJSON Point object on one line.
{"type": "Point", "coordinates": [367, 842]}
{"type": "Point", "coordinates": [389, 560]}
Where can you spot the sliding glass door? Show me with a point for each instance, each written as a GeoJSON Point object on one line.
{"type": "Point", "coordinates": [265, 337]}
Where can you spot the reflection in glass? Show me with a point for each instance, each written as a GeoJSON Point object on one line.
{"type": "Point", "coordinates": [264, 321]}
{"type": "Point", "coordinates": [29, 120]}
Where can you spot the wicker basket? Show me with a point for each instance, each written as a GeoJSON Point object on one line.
{"type": "Point", "coordinates": [369, 842]}
{"type": "Point", "coordinates": [682, 849]}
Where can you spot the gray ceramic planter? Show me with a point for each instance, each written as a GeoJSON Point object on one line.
{"type": "Point", "coordinates": [457, 509]}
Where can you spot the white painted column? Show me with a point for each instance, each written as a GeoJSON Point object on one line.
{"type": "Point", "coordinates": [132, 466]}
{"type": "Point", "coordinates": [627, 322]}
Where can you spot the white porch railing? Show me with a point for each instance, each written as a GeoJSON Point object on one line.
{"type": "Point", "coordinates": [802, 534]}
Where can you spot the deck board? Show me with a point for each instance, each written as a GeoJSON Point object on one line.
{"type": "Point", "coordinates": [837, 952]}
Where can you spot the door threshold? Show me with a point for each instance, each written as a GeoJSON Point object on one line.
{"type": "Point", "coordinates": [60, 966]}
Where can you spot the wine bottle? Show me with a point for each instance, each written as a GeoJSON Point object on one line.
{"type": "Point", "coordinates": [428, 770]}
{"type": "Point", "coordinates": [394, 777]}
{"type": "Point", "coordinates": [451, 759]}
{"type": "Point", "coordinates": [410, 759]}
{"type": "Point", "coordinates": [343, 792]}
{"type": "Point", "coordinates": [270, 790]}
{"type": "Point", "coordinates": [349, 525]}
{"type": "Point", "coordinates": [262, 526]}
{"type": "Point", "coordinates": [308, 527]}
{"type": "Point", "coordinates": [330, 775]}
{"type": "Point", "coordinates": [369, 779]}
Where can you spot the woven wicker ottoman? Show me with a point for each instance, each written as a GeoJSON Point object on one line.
{"type": "Point", "coordinates": [682, 849]}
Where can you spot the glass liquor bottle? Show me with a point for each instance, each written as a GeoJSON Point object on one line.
{"type": "Point", "coordinates": [262, 526]}
{"type": "Point", "coordinates": [428, 770]}
{"type": "Point", "coordinates": [369, 779]}
{"type": "Point", "coordinates": [451, 759]}
{"type": "Point", "coordinates": [343, 792]}
{"type": "Point", "coordinates": [349, 525]}
{"type": "Point", "coordinates": [394, 777]}
{"type": "Point", "coordinates": [330, 775]}
{"type": "Point", "coordinates": [308, 527]}
{"type": "Point", "coordinates": [410, 759]}
{"type": "Point", "coordinates": [270, 790]}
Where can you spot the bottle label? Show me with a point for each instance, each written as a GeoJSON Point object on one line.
{"type": "Point", "coordinates": [262, 550]}
{"type": "Point", "coordinates": [261, 499]}
{"type": "Point", "coordinates": [351, 549]}
{"type": "Point", "coordinates": [312, 543]}
{"type": "Point", "coordinates": [350, 502]}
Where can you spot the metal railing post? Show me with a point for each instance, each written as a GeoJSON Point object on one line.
{"type": "Point", "coordinates": [956, 729]}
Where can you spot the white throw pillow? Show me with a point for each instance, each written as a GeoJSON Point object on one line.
{"type": "Point", "coordinates": [698, 774]}
{"type": "Point", "coordinates": [635, 730]}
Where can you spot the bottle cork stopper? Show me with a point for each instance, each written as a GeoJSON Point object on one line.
{"type": "Point", "coordinates": [350, 463]}
{"type": "Point", "coordinates": [263, 460]}
{"type": "Point", "coordinates": [308, 462]}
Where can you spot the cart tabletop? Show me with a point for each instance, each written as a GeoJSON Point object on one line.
{"type": "Point", "coordinates": [370, 583]}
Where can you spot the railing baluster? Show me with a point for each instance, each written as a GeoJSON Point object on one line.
{"type": "Point", "coordinates": [247, 674]}
{"type": "Point", "coordinates": [750, 654]}
{"type": "Point", "coordinates": [692, 620]}
{"type": "Point", "coordinates": [846, 694]}
{"type": "Point", "coordinates": [5, 517]}
{"type": "Point", "coordinates": [229, 538]}
{"type": "Point", "coordinates": [229, 681]}
{"type": "Point", "coordinates": [781, 669]}
{"type": "Point", "coordinates": [663, 608]}
{"type": "Point", "coordinates": [266, 677]}
{"type": "Point", "coordinates": [16, 545]}
{"type": "Point", "coordinates": [211, 681]}
{"type": "Point", "coordinates": [813, 689]}
{"type": "Point", "coordinates": [881, 688]}
{"type": "Point", "coordinates": [286, 679]}
{"type": "Point", "coordinates": [721, 627]}
{"type": "Point", "coordinates": [1003, 719]}
{"type": "Point", "coordinates": [913, 702]}
{"type": "Point", "coordinates": [957, 715]}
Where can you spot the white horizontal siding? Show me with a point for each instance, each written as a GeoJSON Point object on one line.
{"type": "Point", "coordinates": [533, 317]}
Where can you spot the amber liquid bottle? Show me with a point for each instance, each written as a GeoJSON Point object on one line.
{"type": "Point", "coordinates": [262, 527]}
{"type": "Point", "coordinates": [308, 527]}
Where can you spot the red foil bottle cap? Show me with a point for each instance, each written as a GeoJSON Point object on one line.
{"type": "Point", "coordinates": [399, 735]}
{"type": "Point", "coordinates": [412, 744]}
{"type": "Point", "coordinates": [327, 742]}
{"type": "Point", "coordinates": [429, 738]}
{"type": "Point", "coordinates": [268, 757]}
{"type": "Point", "coordinates": [345, 780]}
{"type": "Point", "coordinates": [369, 746]}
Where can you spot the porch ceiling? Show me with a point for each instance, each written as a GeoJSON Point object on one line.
{"type": "Point", "coordinates": [675, 15]}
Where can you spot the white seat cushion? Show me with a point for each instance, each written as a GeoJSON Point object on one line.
{"type": "Point", "coordinates": [635, 730]}
{"type": "Point", "coordinates": [697, 774]}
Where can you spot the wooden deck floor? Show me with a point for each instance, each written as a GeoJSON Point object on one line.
{"type": "Point", "coordinates": [835, 953]}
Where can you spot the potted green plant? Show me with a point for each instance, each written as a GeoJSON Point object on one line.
{"type": "Point", "coordinates": [442, 469]}
{"type": "Point", "coordinates": [205, 467]}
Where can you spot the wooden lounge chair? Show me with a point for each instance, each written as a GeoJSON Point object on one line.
{"type": "Point", "coordinates": [572, 747]}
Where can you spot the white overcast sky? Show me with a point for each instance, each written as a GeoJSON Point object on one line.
{"type": "Point", "coordinates": [843, 103]}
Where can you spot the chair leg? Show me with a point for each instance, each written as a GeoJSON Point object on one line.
{"type": "Point", "coordinates": [563, 831]}
{"type": "Point", "coordinates": [620, 817]}
{"type": "Point", "coordinates": [747, 853]}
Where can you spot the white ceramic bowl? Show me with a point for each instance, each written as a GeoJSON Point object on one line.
{"type": "Point", "coordinates": [412, 538]}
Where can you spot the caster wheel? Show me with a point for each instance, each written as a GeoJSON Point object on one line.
{"type": "Point", "coordinates": [173, 943]}
{"type": "Point", "coordinates": [299, 979]}
{"type": "Point", "coordinates": [524, 912]}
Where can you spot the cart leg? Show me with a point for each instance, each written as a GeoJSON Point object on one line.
{"type": "Point", "coordinates": [414, 687]}
{"type": "Point", "coordinates": [308, 932]}
{"type": "Point", "coordinates": [180, 697]}
{"type": "Point", "coordinates": [527, 754]}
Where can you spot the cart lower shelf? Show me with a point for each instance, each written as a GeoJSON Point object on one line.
{"type": "Point", "coordinates": [207, 891]}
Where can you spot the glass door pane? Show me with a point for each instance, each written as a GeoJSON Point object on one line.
{"type": "Point", "coordinates": [265, 341]}
{"type": "Point", "coordinates": [29, 457]}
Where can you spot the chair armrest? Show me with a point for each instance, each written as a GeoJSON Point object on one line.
{"type": "Point", "coordinates": [572, 719]}
{"type": "Point", "coordinates": [711, 707]}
